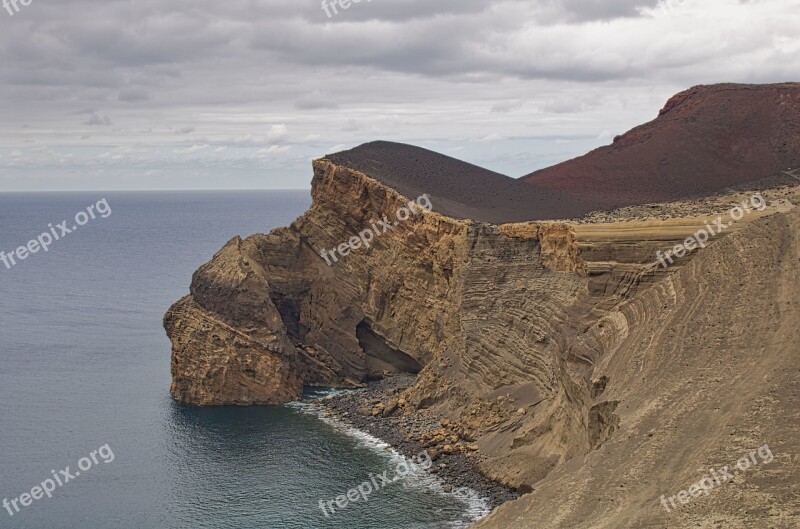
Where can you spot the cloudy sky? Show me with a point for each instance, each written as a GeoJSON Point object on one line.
{"type": "Point", "coordinates": [243, 94]}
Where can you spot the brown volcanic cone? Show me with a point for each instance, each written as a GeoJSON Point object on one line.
{"type": "Point", "coordinates": [705, 138]}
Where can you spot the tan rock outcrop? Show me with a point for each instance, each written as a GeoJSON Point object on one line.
{"type": "Point", "coordinates": [550, 345]}
{"type": "Point", "coordinates": [702, 368]}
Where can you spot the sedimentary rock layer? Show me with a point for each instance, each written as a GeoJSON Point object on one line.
{"type": "Point", "coordinates": [560, 349]}
{"type": "Point", "coordinates": [272, 302]}
{"type": "Point", "coordinates": [704, 368]}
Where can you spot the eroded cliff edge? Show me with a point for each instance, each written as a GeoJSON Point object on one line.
{"type": "Point", "coordinates": [267, 313]}
{"type": "Point", "coordinates": [483, 312]}
{"type": "Point", "coordinates": [705, 367]}
{"type": "Point", "coordinates": [508, 325]}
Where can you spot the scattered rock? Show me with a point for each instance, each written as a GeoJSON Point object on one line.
{"type": "Point", "coordinates": [391, 406]}
{"type": "Point", "coordinates": [413, 433]}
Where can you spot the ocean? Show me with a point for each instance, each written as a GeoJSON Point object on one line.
{"type": "Point", "coordinates": [85, 375]}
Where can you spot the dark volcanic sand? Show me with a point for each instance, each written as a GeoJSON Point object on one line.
{"type": "Point", "coordinates": [459, 189]}
{"type": "Point", "coordinates": [458, 471]}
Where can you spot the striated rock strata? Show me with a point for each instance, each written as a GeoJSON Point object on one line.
{"type": "Point", "coordinates": [579, 369]}
{"type": "Point", "coordinates": [703, 367]}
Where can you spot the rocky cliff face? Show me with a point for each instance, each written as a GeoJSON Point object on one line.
{"type": "Point", "coordinates": [305, 315]}
{"type": "Point", "coordinates": [561, 349]}
{"type": "Point", "coordinates": [229, 344]}
{"type": "Point", "coordinates": [702, 368]}
{"type": "Point", "coordinates": [485, 313]}
{"type": "Point", "coordinates": [271, 304]}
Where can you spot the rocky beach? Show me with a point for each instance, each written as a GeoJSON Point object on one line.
{"type": "Point", "coordinates": [379, 409]}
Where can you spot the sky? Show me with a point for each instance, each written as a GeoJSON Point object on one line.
{"type": "Point", "coordinates": [244, 94]}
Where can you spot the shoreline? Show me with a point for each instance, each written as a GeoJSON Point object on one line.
{"type": "Point", "coordinates": [455, 460]}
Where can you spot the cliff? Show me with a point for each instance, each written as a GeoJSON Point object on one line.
{"type": "Point", "coordinates": [583, 371]}
{"type": "Point", "coordinates": [704, 366]}
{"type": "Point", "coordinates": [268, 313]}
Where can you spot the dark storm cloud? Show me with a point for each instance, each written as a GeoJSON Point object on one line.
{"type": "Point", "coordinates": [114, 43]}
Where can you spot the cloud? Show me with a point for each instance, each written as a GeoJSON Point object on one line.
{"type": "Point", "coordinates": [316, 101]}
{"type": "Point", "coordinates": [495, 136]}
{"type": "Point", "coordinates": [192, 149]}
{"type": "Point", "coordinates": [273, 149]}
{"type": "Point", "coordinates": [587, 10]}
{"type": "Point", "coordinates": [258, 74]}
{"type": "Point", "coordinates": [277, 133]}
{"type": "Point", "coordinates": [569, 105]}
{"type": "Point", "coordinates": [98, 120]}
{"type": "Point", "coordinates": [507, 106]}
{"type": "Point", "coordinates": [133, 95]}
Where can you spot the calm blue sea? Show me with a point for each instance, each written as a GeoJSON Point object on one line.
{"type": "Point", "coordinates": [84, 363]}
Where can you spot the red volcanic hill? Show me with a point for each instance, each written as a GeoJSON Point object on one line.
{"type": "Point", "coordinates": [704, 139]}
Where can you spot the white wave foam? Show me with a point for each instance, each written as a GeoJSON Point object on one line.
{"type": "Point", "coordinates": [476, 506]}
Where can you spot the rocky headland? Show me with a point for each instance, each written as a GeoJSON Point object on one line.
{"type": "Point", "coordinates": [556, 357]}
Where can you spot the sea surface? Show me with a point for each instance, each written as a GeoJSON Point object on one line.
{"type": "Point", "coordinates": [85, 367]}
